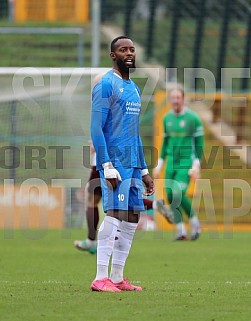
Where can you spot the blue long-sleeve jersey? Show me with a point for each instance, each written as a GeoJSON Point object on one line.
{"type": "Point", "coordinates": [116, 106]}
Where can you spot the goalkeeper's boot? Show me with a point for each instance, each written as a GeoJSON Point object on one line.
{"type": "Point", "coordinates": [181, 238]}
{"type": "Point", "coordinates": [84, 246]}
{"type": "Point", "coordinates": [165, 210]}
{"type": "Point", "coordinates": [195, 234]}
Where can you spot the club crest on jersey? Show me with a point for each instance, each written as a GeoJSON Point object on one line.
{"type": "Point", "coordinates": [121, 90]}
{"type": "Point", "coordinates": [182, 123]}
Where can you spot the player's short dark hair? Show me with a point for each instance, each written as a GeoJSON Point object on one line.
{"type": "Point", "coordinates": [115, 40]}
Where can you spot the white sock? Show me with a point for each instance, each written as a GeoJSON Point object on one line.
{"type": "Point", "coordinates": [195, 224]}
{"type": "Point", "coordinates": [102, 272]}
{"type": "Point", "coordinates": [117, 273]}
{"type": "Point", "coordinates": [106, 237]}
{"type": "Point", "coordinates": [121, 249]}
{"type": "Point", "coordinates": [181, 229]}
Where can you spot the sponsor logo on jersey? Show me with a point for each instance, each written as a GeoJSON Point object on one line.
{"type": "Point", "coordinates": [133, 108]}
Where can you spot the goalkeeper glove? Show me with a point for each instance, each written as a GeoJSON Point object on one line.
{"type": "Point", "coordinates": [157, 169]}
{"type": "Point", "coordinates": [194, 171]}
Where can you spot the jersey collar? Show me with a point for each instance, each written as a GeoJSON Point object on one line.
{"type": "Point", "coordinates": [117, 75]}
{"type": "Point", "coordinates": [182, 113]}
{"type": "Point", "coordinates": [120, 76]}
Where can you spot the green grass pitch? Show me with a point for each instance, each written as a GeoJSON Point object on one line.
{"type": "Point", "coordinates": [44, 278]}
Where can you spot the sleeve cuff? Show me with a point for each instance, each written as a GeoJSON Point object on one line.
{"type": "Point", "coordinates": [144, 172]}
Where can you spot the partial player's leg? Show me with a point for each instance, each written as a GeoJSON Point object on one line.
{"type": "Point", "coordinates": [115, 236]}
{"type": "Point", "coordinates": [127, 227]}
{"type": "Point", "coordinates": [92, 219]}
{"type": "Point", "coordinates": [174, 196]}
{"type": "Point", "coordinates": [184, 179]}
{"type": "Point", "coordinates": [115, 201]}
{"type": "Point", "coordinates": [121, 249]}
{"type": "Point", "coordinates": [193, 219]}
{"type": "Point", "coordinates": [106, 238]}
{"type": "Point", "coordinates": [92, 213]}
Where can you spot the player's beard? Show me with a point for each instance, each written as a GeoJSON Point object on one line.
{"type": "Point", "coordinates": [177, 108]}
{"type": "Point", "coordinates": [124, 68]}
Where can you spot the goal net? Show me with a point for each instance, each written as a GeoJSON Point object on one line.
{"type": "Point", "coordinates": [44, 122]}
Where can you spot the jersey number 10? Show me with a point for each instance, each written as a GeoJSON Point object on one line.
{"type": "Point", "coordinates": [121, 197]}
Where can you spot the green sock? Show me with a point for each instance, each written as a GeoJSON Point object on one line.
{"type": "Point", "coordinates": [173, 205]}
{"type": "Point", "coordinates": [177, 215]}
{"type": "Point", "coordinates": [187, 206]}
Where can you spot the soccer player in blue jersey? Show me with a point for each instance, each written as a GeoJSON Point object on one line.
{"type": "Point", "coordinates": [116, 106]}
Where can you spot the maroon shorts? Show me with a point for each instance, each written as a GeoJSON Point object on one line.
{"type": "Point", "coordinates": [94, 186]}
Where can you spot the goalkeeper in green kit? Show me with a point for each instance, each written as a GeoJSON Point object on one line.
{"type": "Point", "coordinates": [183, 148]}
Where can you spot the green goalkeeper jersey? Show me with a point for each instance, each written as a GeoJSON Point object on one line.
{"type": "Point", "coordinates": [183, 139]}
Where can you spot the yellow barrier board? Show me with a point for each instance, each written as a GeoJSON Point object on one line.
{"type": "Point", "coordinates": [52, 10]}
{"type": "Point", "coordinates": [23, 206]}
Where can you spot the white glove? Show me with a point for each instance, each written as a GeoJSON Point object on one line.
{"type": "Point", "coordinates": [157, 169]}
{"type": "Point", "coordinates": [110, 171]}
{"type": "Point", "coordinates": [194, 171]}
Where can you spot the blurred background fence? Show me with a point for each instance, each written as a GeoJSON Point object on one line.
{"type": "Point", "coordinates": [179, 34]}
{"type": "Point", "coordinates": [209, 34]}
